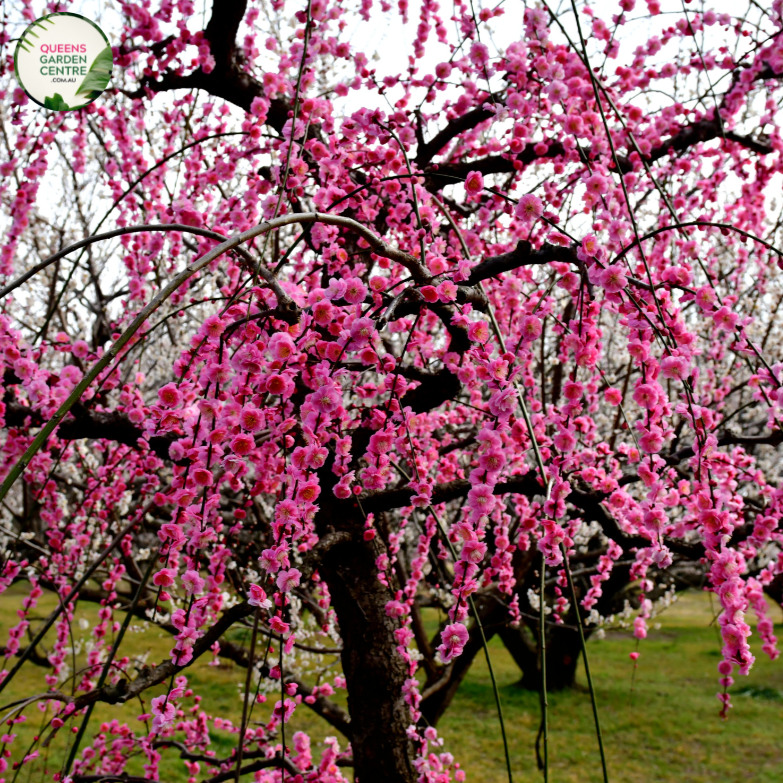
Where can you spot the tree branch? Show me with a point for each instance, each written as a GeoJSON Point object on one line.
{"type": "Point", "coordinates": [90, 424]}
{"type": "Point", "coordinates": [123, 690]}
{"type": "Point", "coordinates": [277, 761]}
{"type": "Point", "coordinates": [331, 712]}
{"type": "Point", "coordinates": [522, 255]}
{"type": "Point", "coordinates": [471, 119]}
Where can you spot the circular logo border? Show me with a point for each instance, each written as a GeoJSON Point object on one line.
{"type": "Point", "coordinates": [22, 41]}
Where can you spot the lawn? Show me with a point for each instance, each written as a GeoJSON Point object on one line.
{"type": "Point", "coordinates": [667, 729]}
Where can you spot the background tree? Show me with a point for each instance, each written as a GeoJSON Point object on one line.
{"type": "Point", "coordinates": [328, 367]}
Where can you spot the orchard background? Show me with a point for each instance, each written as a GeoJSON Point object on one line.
{"type": "Point", "coordinates": [347, 374]}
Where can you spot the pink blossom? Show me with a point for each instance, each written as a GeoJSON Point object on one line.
{"type": "Point", "coordinates": [281, 346]}
{"type": "Point", "coordinates": [251, 419]}
{"type": "Point", "coordinates": [652, 440]}
{"type": "Point", "coordinates": [323, 312]}
{"type": "Point", "coordinates": [171, 532]}
{"type": "Point", "coordinates": [355, 290]}
{"type": "Point", "coordinates": [242, 444]}
{"type": "Point", "coordinates": [279, 625]}
{"type": "Point", "coordinates": [474, 551]}
{"type": "Point", "coordinates": [640, 628]}
{"type": "Point", "coordinates": [326, 399]}
{"type": "Point", "coordinates": [447, 291]}
{"type": "Point", "coordinates": [725, 319]}
{"type": "Point", "coordinates": [164, 712]}
{"type": "Point", "coordinates": [646, 395]}
{"type": "Point", "coordinates": [169, 395]}
{"type": "Point", "coordinates": [478, 331]}
{"type": "Point", "coordinates": [308, 492]}
{"type": "Point", "coordinates": [613, 279]}
{"type": "Point", "coordinates": [564, 441]}
{"type": "Point", "coordinates": [284, 711]}
{"type": "Point", "coordinates": [214, 326]}
{"type": "Point", "coordinates": [557, 91]}
{"type": "Point", "coordinates": [257, 597]}
{"type": "Point", "coordinates": [503, 403]}
{"type": "Point", "coordinates": [453, 640]}
{"type": "Point", "coordinates": [597, 184]}
{"type": "Point", "coordinates": [274, 558]}
{"type": "Point", "coordinates": [165, 577]}
{"type": "Point", "coordinates": [443, 70]}
{"type": "Point", "coordinates": [572, 123]}
{"type": "Point", "coordinates": [613, 396]}
{"type": "Point", "coordinates": [362, 330]}
{"type": "Point", "coordinates": [288, 580]}
{"type": "Point", "coordinates": [572, 390]}
{"type": "Point", "coordinates": [80, 349]}
{"type": "Point", "coordinates": [193, 583]}
{"type": "Point", "coordinates": [395, 609]}
{"type": "Point", "coordinates": [277, 384]}
{"type": "Point", "coordinates": [474, 183]}
{"type": "Point", "coordinates": [381, 442]}
{"type": "Point", "coordinates": [203, 477]}
{"type": "Point", "coordinates": [531, 328]}
{"type": "Point", "coordinates": [481, 499]}
{"type": "Point", "coordinates": [479, 54]}
{"type": "Point", "coordinates": [529, 208]}
{"type": "Point", "coordinates": [429, 293]}
{"type": "Point", "coordinates": [492, 461]}
{"type": "Point", "coordinates": [674, 367]}
{"type": "Point", "coordinates": [590, 245]}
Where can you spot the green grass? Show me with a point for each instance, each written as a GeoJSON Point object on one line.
{"type": "Point", "coordinates": [218, 685]}
{"type": "Point", "coordinates": [668, 729]}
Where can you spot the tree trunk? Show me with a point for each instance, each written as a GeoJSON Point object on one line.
{"type": "Point", "coordinates": [374, 671]}
{"type": "Point", "coordinates": [563, 645]}
{"type": "Point", "coordinates": [563, 649]}
{"type": "Point", "coordinates": [493, 614]}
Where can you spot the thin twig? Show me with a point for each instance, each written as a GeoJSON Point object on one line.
{"type": "Point", "coordinates": [587, 663]}
{"type": "Point", "coordinates": [243, 727]}
{"type": "Point", "coordinates": [542, 645]}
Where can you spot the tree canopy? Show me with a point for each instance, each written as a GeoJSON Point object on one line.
{"type": "Point", "coordinates": [314, 344]}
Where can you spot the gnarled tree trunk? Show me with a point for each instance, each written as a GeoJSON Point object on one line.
{"type": "Point", "coordinates": [375, 673]}
{"type": "Point", "coordinates": [563, 649]}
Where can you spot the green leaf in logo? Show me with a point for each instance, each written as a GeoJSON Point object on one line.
{"type": "Point", "coordinates": [97, 79]}
{"type": "Point", "coordinates": [56, 103]}
{"type": "Point", "coordinates": [87, 98]}
{"type": "Point", "coordinates": [24, 44]}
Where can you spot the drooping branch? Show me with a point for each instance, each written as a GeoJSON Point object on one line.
{"type": "Point", "coordinates": [774, 438]}
{"type": "Point", "coordinates": [386, 500]}
{"type": "Point", "coordinates": [378, 245]}
{"type": "Point", "coordinates": [590, 504]}
{"type": "Point", "coordinates": [331, 712]}
{"type": "Point", "coordinates": [283, 299]}
{"type": "Point", "coordinates": [257, 766]}
{"type": "Point", "coordinates": [448, 173]}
